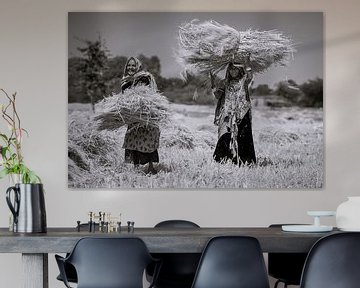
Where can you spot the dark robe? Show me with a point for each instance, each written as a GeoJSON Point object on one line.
{"type": "Point", "coordinates": [224, 151]}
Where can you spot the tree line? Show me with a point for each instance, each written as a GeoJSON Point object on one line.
{"type": "Point", "coordinates": [96, 74]}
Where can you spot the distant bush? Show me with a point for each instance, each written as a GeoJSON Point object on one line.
{"type": "Point", "coordinates": [76, 91]}
{"type": "Point", "coordinates": [289, 90]}
{"type": "Point", "coordinates": [261, 90]}
{"type": "Point", "coordinates": [313, 90]}
{"type": "Point", "coordinates": [190, 95]}
{"type": "Point", "coordinates": [308, 94]}
{"type": "Point", "coordinates": [85, 81]}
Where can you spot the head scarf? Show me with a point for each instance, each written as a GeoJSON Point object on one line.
{"type": "Point", "coordinates": [238, 66]}
{"type": "Point", "coordinates": [139, 72]}
{"type": "Point", "coordinates": [138, 64]}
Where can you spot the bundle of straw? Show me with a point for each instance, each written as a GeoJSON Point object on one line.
{"type": "Point", "coordinates": [209, 46]}
{"type": "Point", "coordinates": [141, 104]}
{"type": "Point", "coordinates": [178, 136]}
{"type": "Point", "coordinates": [84, 140]}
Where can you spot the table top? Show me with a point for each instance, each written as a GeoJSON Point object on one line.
{"type": "Point", "coordinates": [158, 240]}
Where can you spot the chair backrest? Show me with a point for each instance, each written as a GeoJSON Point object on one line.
{"type": "Point", "coordinates": [333, 262]}
{"type": "Point", "coordinates": [178, 269]}
{"type": "Point", "coordinates": [110, 262]}
{"type": "Point", "coordinates": [287, 267]}
{"type": "Point", "coordinates": [176, 224]}
{"type": "Point", "coordinates": [232, 262]}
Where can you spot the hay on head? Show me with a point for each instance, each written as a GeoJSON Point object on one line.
{"type": "Point", "coordinates": [141, 105]}
{"type": "Point", "coordinates": [209, 46]}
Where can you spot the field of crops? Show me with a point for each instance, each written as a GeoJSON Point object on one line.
{"type": "Point", "coordinates": [289, 145]}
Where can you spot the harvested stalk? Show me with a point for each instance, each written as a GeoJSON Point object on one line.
{"type": "Point", "coordinates": [207, 47]}
{"type": "Point", "coordinates": [141, 105]}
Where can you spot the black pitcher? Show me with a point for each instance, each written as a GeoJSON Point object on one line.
{"type": "Point", "coordinates": [28, 208]}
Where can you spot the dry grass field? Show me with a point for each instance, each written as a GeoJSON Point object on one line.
{"type": "Point", "coordinates": [289, 145]}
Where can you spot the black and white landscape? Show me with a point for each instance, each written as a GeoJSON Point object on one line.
{"type": "Point", "coordinates": [287, 106]}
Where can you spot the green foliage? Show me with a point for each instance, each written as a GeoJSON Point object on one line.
{"type": "Point", "coordinates": [12, 161]}
{"type": "Point", "coordinates": [27, 175]}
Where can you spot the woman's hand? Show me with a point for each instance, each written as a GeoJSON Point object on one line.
{"type": "Point", "coordinates": [248, 61]}
{"type": "Point", "coordinates": [212, 79]}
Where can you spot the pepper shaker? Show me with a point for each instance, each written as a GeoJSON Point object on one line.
{"type": "Point", "coordinates": [78, 226]}
{"type": "Point", "coordinates": [90, 221]}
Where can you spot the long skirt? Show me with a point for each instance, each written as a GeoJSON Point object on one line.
{"type": "Point", "coordinates": [245, 143]}
{"type": "Point", "coordinates": [141, 144]}
{"type": "Point", "coordinates": [137, 157]}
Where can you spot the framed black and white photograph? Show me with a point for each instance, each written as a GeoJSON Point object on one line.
{"type": "Point", "coordinates": [195, 100]}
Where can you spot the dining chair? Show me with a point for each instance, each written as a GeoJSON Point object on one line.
{"type": "Point", "coordinates": [333, 262]}
{"type": "Point", "coordinates": [285, 267]}
{"type": "Point", "coordinates": [178, 269]}
{"type": "Point", "coordinates": [231, 262]}
{"type": "Point", "coordinates": [69, 269]}
{"type": "Point", "coordinates": [108, 263]}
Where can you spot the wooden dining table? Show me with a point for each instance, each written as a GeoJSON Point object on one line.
{"type": "Point", "coordinates": [35, 247]}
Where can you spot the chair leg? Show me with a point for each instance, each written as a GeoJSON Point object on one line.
{"type": "Point", "coordinates": [279, 281]}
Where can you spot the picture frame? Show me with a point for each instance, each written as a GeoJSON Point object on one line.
{"type": "Point", "coordinates": [286, 105]}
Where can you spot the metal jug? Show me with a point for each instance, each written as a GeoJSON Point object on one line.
{"type": "Point", "coordinates": [28, 208]}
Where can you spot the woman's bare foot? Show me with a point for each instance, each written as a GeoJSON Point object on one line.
{"type": "Point", "coordinates": [151, 169]}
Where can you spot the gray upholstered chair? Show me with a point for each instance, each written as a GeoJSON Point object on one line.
{"type": "Point", "coordinates": [333, 262]}
{"type": "Point", "coordinates": [286, 267]}
{"type": "Point", "coordinates": [178, 269]}
{"type": "Point", "coordinates": [108, 262]}
{"type": "Point", "coordinates": [232, 261]}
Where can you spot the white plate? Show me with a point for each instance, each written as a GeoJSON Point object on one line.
{"type": "Point", "coordinates": [350, 229]}
{"type": "Point", "coordinates": [306, 228]}
{"type": "Point", "coordinates": [321, 213]}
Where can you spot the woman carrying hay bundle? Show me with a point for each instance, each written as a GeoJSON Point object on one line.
{"type": "Point", "coordinates": [210, 47]}
{"type": "Point", "coordinates": [141, 142]}
{"type": "Point", "coordinates": [233, 116]}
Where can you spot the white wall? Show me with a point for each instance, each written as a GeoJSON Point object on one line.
{"type": "Point", "coordinates": [33, 62]}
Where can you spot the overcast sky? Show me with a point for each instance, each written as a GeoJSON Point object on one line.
{"type": "Point", "coordinates": [152, 33]}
